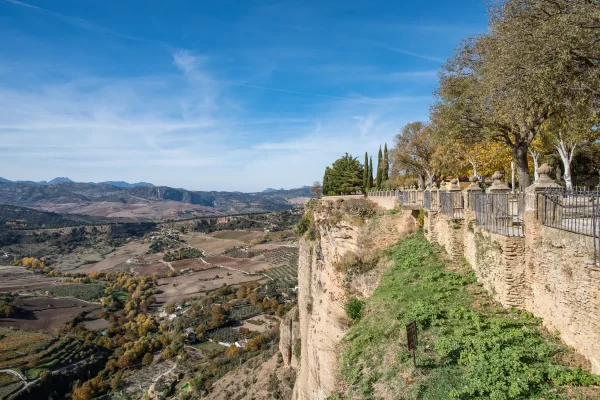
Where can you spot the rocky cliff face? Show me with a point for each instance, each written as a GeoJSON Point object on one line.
{"type": "Point", "coordinates": [318, 326]}
{"type": "Point", "coordinates": [322, 320]}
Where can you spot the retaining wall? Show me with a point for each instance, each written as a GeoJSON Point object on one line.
{"type": "Point", "coordinates": [547, 272]}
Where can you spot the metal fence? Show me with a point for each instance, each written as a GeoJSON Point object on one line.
{"type": "Point", "coordinates": [500, 213]}
{"type": "Point", "coordinates": [575, 211]}
{"type": "Point", "coordinates": [451, 204]}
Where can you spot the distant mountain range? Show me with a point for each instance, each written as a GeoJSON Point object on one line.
{"type": "Point", "coordinates": [140, 200]}
{"type": "Point", "coordinates": [67, 180]}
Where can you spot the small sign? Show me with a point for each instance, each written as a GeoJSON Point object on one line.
{"type": "Point", "coordinates": [411, 340]}
{"type": "Point", "coordinates": [411, 335]}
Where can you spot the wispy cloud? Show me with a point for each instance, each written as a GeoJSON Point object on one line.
{"type": "Point", "coordinates": [82, 23]}
{"type": "Point", "coordinates": [200, 134]}
{"type": "Point", "coordinates": [416, 55]}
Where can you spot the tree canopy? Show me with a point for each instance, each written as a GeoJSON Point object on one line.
{"type": "Point", "coordinates": [345, 176]}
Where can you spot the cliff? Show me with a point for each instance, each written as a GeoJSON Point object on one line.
{"type": "Point", "coordinates": [355, 253]}
{"type": "Point", "coordinates": [338, 231]}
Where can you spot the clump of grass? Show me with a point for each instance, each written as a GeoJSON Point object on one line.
{"type": "Point", "coordinates": [354, 308]}
{"type": "Point", "coordinates": [464, 352]}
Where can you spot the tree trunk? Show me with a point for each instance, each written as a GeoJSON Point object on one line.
{"type": "Point", "coordinates": [536, 163]}
{"type": "Point", "coordinates": [566, 155]}
{"type": "Point", "coordinates": [520, 152]}
{"type": "Point", "coordinates": [474, 165]}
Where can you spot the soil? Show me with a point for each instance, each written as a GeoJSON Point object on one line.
{"type": "Point", "coordinates": [243, 236]}
{"type": "Point", "coordinates": [48, 314]}
{"type": "Point", "coordinates": [243, 264]}
{"type": "Point", "coordinates": [147, 211]}
{"type": "Point", "coordinates": [209, 244]}
{"type": "Point", "coordinates": [18, 279]}
{"type": "Point", "coordinates": [196, 284]}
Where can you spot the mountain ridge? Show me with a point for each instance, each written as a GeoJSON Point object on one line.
{"type": "Point", "coordinates": [108, 199]}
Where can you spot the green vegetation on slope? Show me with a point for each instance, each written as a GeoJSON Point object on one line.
{"type": "Point", "coordinates": [469, 347]}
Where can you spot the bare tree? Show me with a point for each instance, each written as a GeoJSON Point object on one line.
{"type": "Point", "coordinates": [316, 189]}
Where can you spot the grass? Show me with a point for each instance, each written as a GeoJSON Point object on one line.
{"type": "Point", "coordinates": [469, 347]}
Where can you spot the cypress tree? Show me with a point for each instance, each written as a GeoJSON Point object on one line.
{"type": "Point", "coordinates": [379, 178]}
{"type": "Point", "coordinates": [366, 172]}
{"type": "Point", "coordinates": [386, 164]}
{"type": "Point", "coordinates": [370, 182]}
{"type": "Point", "coordinates": [326, 186]}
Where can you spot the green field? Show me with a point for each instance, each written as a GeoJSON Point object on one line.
{"type": "Point", "coordinates": [82, 291]}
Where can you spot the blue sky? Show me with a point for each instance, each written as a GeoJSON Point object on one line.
{"type": "Point", "coordinates": [214, 95]}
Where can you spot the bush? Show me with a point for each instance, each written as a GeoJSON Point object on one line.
{"type": "Point", "coordinates": [303, 225]}
{"type": "Point", "coordinates": [351, 263]}
{"type": "Point", "coordinates": [354, 308]}
{"type": "Point", "coordinates": [361, 208]}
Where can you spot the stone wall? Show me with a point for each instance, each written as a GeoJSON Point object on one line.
{"type": "Point", "coordinates": [547, 272]}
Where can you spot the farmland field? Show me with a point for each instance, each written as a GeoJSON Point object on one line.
{"type": "Point", "coordinates": [18, 279]}
{"type": "Point", "coordinates": [16, 346]}
{"type": "Point", "coordinates": [82, 291]}
{"type": "Point", "coordinates": [242, 264]}
{"type": "Point", "coordinates": [243, 236]}
{"type": "Point", "coordinates": [34, 352]}
{"type": "Point", "coordinates": [209, 244]}
{"type": "Point", "coordinates": [47, 314]}
{"type": "Point", "coordinates": [197, 283]}
{"type": "Point", "coordinates": [190, 263]}
{"type": "Point", "coordinates": [9, 383]}
{"type": "Point", "coordinates": [285, 273]}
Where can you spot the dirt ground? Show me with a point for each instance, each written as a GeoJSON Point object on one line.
{"type": "Point", "coordinates": [209, 244]}
{"type": "Point", "coordinates": [155, 268]}
{"type": "Point", "coordinates": [18, 279]}
{"type": "Point", "coordinates": [243, 264]}
{"type": "Point", "coordinates": [139, 211]}
{"type": "Point", "coordinates": [46, 313]}
{"type": "Point", "coordinates": [133, 249]}
{"type": "Point", "coordinates": [254, 381]}
{"type": "Point", "coordinates": [191, 264]}
{"type": "Point", "coordinates": [96, 325]}
{"type": "Point", "coordinates": [243, 236]}
{"type": "Point", "coordinates": [196, 284]}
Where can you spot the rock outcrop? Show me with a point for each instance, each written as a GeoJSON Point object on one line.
{"type": "Point", "coordinates": [320, 322]}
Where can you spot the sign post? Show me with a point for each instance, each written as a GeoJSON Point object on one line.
{"type": "Point", "coordinates": [411, 340]}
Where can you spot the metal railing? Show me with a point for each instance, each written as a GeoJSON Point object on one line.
{"type": "Point", "coordinates": [451, 204]}
{"type": "Point", "coordinates": [500, 213]}
{"type": "Point", "coordinates": [576, 211]}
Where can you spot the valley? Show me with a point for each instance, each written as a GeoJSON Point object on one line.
{"type": "Point", "coordinates": [142, 202]}
{"type": "Point", "coordinates": [182, 293]}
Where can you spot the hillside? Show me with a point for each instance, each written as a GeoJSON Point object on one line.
{"type": "Point", "coordinates": [140, 201]}
{"type": "Point", "coordinates": [364, 273]}
{"type": "Point", "coordinates": [15, 217]}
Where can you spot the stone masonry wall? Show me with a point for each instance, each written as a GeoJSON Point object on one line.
{"type": "Point", "coordinates": [547, 272]}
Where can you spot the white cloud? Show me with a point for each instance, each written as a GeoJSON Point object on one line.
{"type": "Point", "coordinates": [187, 129]}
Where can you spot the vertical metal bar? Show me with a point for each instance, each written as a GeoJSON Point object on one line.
{"type": "Point", "coordinates": [595, 238]}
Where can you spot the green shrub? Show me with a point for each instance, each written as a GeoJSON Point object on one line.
{"type": "Point", "coordinates": [303, 225]}
{"type": "Point", "coordinates": [298, 349]}
{"type": "Point", "coordinates": [354, 308]}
